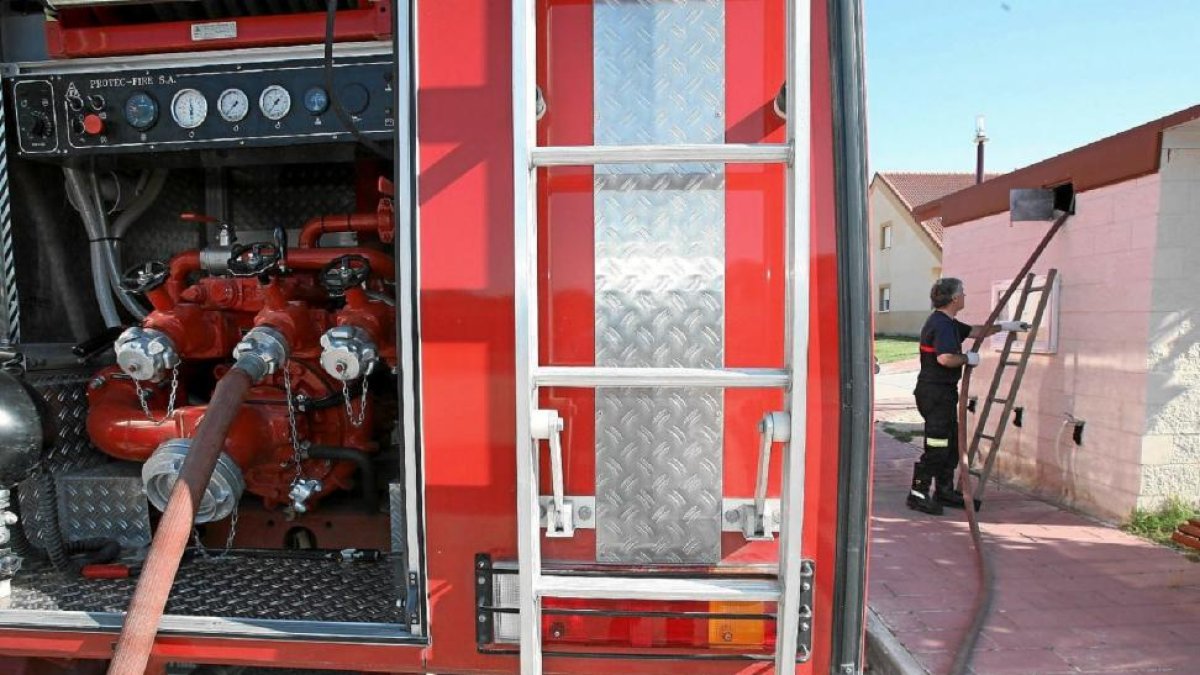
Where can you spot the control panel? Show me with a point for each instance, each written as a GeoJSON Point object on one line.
{"type": "Point", "coordinates": [215, 106]}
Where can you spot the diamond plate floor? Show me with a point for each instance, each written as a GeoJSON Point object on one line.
{"type": "Point", "coordinates": [237, 587]}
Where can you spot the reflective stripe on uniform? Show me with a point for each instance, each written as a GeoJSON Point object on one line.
{"type": "Point", "coordinates": [929, 349]}
{"type": "Point", "coordinates": [937, 442]}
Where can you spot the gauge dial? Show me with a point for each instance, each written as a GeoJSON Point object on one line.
{"type": "Point", "coordinates": [189, 108]}
{"type": "Point", "coordinates": [233, 105]}
{"type": "Point", "coordinates": [275, 102]}
{"type": "Point", "coordinates": [316, 100]}
{"type": "Point", "coordinates": [141, 111]}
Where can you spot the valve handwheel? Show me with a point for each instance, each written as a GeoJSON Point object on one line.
{"type": "Point", "coordinates": [345, 273]}
{"type": "Point", "coordinates": [145, 276]}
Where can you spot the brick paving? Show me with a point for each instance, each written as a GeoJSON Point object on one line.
{"type": "Point", "coordinates": [1072, 595]}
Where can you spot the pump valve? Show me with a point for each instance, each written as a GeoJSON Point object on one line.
{"type": "Point", "coordinates": [145, 354]}
{"type": "Point", "coordinates": [348, 353]}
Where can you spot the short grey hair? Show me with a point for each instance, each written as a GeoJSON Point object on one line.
{"type": "Point", "coordinates": [944, 290]}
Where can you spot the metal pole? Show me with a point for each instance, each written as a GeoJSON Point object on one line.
{"type": "Point", "coordinates": [799, 132]}
{"type": "Point", "coordinates": [524, 53]}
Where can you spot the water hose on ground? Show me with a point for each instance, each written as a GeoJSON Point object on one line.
{"type": "Point", "coordinates": [170, 541]}
{"type": "Point", "coordinates": [987, 575]}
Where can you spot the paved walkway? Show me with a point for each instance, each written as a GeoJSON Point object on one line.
{"type": "Point", "coordinates": [1072, 596]}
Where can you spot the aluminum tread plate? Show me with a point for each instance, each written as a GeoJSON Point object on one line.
{"type": "Point", "coordinates": [659, 78]}
{"type": "Point", "coordinates": [105, 502]}
{"type": "Point", "coordinates": [236, 587]}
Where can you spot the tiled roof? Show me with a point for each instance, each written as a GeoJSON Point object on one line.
{"type": "Point", "coordinates": [915, 189]}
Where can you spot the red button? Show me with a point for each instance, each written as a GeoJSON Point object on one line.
{"type": "Point", "coordinates": [92, 124]}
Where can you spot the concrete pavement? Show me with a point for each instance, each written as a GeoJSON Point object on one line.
{"type": "Point", "coordinates": [1072, 596]}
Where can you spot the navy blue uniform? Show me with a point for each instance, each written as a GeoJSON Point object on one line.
{"type": "Point", "coordinates": [937, 401]}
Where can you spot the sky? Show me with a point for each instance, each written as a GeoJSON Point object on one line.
{"type": "Point", "coordinates": [1048, 75]}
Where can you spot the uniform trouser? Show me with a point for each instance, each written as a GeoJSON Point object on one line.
{"type": "Point", "coordinates": [938, 405]}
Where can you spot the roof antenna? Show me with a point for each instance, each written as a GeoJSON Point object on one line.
{"type": "Point", "coordinates": [980, 139]}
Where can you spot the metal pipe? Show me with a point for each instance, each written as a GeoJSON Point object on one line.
{"type": "Point", "coordinates": [78, 198]}
{"type": "Point", "coordinates": [585, 155]}
{"type": "Point", "coordinates": [141, 203]}
{"type": "Point", "coordinates": [162, 563]}
{"type": "Point", "coordinates": [108, 253]}
{"type": "Point", "coordinates": [310, 234]}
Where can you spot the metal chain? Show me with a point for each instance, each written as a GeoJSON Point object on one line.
{"type": "Point", "coordinates": [297, 452]}
{"type": "Point", "coordinates": [203, 550]}
{"type": "Point", "coordinates": [143, 395]}
{"type": "Point", "coordinates": [356, 420]}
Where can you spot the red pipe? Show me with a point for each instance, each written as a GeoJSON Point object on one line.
{"type": "Point", "coordinates": [162, 563]}
{"type": "Point", "coordinates": [307, 259]}
{"type": "Point", "coordinates": [381, 222]}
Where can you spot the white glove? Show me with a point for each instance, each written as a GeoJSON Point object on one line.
{"type": "Point", "coordinates": [1014, 326]}
{"type": "Point", "coordinates": [972, 359]}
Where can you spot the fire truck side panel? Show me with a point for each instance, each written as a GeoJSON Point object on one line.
{"type": "Point", "coordinates": [467, 286]}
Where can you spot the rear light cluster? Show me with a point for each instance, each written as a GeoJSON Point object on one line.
{"type": "Point", "coordinates": [744, 629]}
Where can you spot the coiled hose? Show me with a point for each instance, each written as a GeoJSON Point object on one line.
{"type": "Point", "coordinates": [47, 510]}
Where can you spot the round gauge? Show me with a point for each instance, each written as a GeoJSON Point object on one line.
{"type": "Point", "coordinates": [233, 105]}
{"type": "Point", "coordinates": [141, 111]}
{"type": "Point", "coordinates": [189, 108]}
{"type": "Point", "coordinates": [275, 102]}
{"type": "Point", "coordinates": [316, 100]}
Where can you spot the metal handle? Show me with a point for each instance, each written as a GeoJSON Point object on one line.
{"type": "Point", "coordinates": [547, 425]}
{"type": "Point", "coordinates": [775, 427]}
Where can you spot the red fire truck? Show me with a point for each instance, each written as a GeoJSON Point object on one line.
{"type": "Point", "coordinates": [445, 336]}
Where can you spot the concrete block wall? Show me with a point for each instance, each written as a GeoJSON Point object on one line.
{"type": "Point", "coordinates": [1171, 444]}
{"type": "Point", "coordinates": [1105, 256]}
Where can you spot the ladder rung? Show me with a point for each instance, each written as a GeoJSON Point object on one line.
{"type": "Point", "coordinates": [990, 438]}
{"type": "Point", "coordinates": [659, 588]}
{"type": "Point", "coordinates": [1012, 363]}
{"type": "Point", "coordinates": [586, 155]}
{"type": "Point", "coordinates": [999, 400]}
{"type": "Point", "coordinates": [1035, 289]}
{"type": "Point", "coordinates": [730, 378]}
{"type": "Point", "coordinates": [975, 472]}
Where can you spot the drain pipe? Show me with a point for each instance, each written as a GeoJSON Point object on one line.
{"type": "Point", "coordinates": [261, 352]}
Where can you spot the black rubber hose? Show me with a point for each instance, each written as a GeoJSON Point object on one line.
{"type": "Point", "coordinates": [366, 470]}
{"type": "Point", "coordinates": [17, 540]}
{"type": "Point", "coordinates": [47, 510]}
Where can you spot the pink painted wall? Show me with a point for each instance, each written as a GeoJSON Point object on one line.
{"type": "Point", "coordinates": [1105, 257]}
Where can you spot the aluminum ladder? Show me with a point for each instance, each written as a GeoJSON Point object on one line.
{"type": "Point", "coordinates": [995, 435]}
{"type": "Point", "coordinates": [534, 425]}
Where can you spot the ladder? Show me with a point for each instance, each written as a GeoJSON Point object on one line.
{"type": "Point", "coordinates": [995, 435]}
{"type": "Point", "coordinates": [534, 425]}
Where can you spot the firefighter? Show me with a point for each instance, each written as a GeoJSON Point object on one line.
{"type": "Point", "coordinates": [942, 361]}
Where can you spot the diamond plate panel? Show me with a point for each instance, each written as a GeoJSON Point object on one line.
{"type": "Point", "coordinates": [65, 395]}
{"type": "Point", "coordinates": [238, 586]}
{"type": "Point", "coordinates": [660, 279]}
{"type": "Point", "coordinates": [107, 503]}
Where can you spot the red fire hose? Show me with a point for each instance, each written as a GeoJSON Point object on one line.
{"type": "Point", "coordinates": [983, 599]}
{"type": "Point", "coordinates": [170, 541]}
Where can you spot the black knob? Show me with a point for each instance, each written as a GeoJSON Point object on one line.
{"type": "Point", "coordinates": [348, 271]}
{"type": "Point", "coordinates": [41, 127]}
{"type": "Point", "coordinates": [354, 97]}
{"type": "Point", "coordinates": [96, 101]}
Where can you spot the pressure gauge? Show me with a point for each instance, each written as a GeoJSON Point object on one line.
{"type": "Point", "coordinates": [189, 108]}
{"type": "Point", "coordinates": [233, 105]}
{"type": "Point", "coordinates": [316, 100]}
{"type": "Point", "coordinates": [141, 111]}
{"type": "Point", "coordinates": [275, 102]}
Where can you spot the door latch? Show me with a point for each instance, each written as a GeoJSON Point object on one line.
{"type": "Point", "coordinates": [775, 427]}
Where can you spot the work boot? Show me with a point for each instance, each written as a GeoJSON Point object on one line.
{"type": "Point", "coordinates": [919, 498]}
{"type": "Point", "coordinates": [946, 495]}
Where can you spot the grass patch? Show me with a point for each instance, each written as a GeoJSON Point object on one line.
{"type": "Point", "coordinates": [891, 348]}
{"type": "Point", "coordinates": [1157, 525]}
